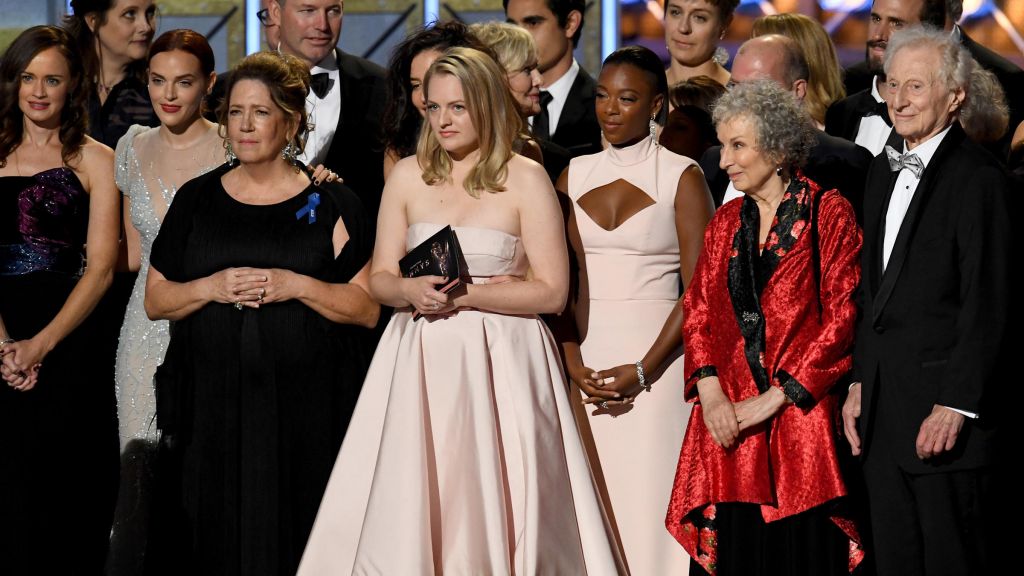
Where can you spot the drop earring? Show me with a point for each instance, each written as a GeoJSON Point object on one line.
{"type": "Point", "coordinates": [229, 153]}
{"type": "Point", "coordinates": [289, 152]}
{"type": "Point", "coordinates": [654, 129]}
{"type": "Point", "coordinates": [778, 171]}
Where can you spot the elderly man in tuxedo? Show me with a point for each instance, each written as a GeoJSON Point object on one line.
{"type": "Point", "coordinates": [833, 162]}
{"type": "Point", "coordinates": [934, 296]}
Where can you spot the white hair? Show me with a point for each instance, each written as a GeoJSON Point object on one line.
{"type": "Point", "coordinates": [955, 63]}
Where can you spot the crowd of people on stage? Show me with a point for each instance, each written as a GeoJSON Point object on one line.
{"type": "Point", "coordinates": [709, 317]}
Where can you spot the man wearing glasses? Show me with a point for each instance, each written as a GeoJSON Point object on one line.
{"type": "Point", "coordinates": [270, 28]}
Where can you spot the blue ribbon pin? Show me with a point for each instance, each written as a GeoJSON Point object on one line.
{"type": "Point", "coordinates": [310, 208]}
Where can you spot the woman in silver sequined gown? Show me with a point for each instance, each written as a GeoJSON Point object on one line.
{"type": "Point", "coordinates": [151, 164]}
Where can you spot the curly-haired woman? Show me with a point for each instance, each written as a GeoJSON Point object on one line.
{"type": "Point", "coordinates": [768, 331]}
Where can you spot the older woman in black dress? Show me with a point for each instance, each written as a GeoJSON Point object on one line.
{"type": "Point", "coordinates": [58, 433]}
{"type": "Point", "coordinates": [266, 277]}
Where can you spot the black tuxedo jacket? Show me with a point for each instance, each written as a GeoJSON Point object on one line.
{"type": "Point", "coordinates": [578, 130]}
{"type": "Point", "coordinates": [357, 149]}
{"type": "Point", "coordinates": [356, 152]}
{"type": "Point", "coordinates": [842, 119]}
{"type": "Point", "coordinates": [933, 324]}
{"type": "Point", "coordinates": [833, 163]}
{"type": "Point", "coordinates": [556, 158]}
{"type": "Point", "coordinates": [857, 77]}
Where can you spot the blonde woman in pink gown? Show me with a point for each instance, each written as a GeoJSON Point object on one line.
{"type": "Point", "coordinates": [637, 222]}
{"type": "Point", "coordinates": [463, 455]}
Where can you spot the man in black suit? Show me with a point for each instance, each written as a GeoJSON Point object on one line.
{"type": "Point", "coordinates": [833, 162]}
{"type": "Point", "coordinates": [935, 301]}
{"type": "Point", "coordinates": [886, 17]}
{"type": "Point", "coordinates": [347, 98]}
{"type": "Point", "coordinates": [567, 115]}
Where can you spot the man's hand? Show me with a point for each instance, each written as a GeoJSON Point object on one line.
{"type": "Point", "coordinates": [851, 412]}
{"type": "Point", "coordinates": [938, 432]}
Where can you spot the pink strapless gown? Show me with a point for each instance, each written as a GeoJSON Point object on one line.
{"type": "Point", "coordinates": [463, 455]}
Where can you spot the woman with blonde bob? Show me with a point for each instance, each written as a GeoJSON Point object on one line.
{"type": "Point", "coordinates": [464, 431]}
{"type": "Point", "coordinates": [516, 52]}
{"type": "Point", "coordinates": [825, 84]}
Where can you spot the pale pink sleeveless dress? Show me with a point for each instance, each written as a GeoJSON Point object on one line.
{"type": "Point", "coordinates": [463, 456]}
{"type": "Point", "coordinates": [634, 283]}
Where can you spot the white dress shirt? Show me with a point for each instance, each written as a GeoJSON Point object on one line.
{"type": "Point", "coordinates": [873, 132]}
{"type": "Point", "coordinates": [323, 113]}
{"type": "Point", "coordinates": [902, 195]}
{"type": "Point", "coordinates": [731, 193]}
{"type": "Point", "coordinates": [559, 90]}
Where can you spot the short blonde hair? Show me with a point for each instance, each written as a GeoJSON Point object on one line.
{"type": "Point", "coordinates": [824, 79]}
{"type": "Point", "coordinates": [513, 45]}
{"type": "Point", "coordinates": [493, 111]}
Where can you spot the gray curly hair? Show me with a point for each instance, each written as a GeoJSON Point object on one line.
{"type": "Point", "coordinates": [783, 129]}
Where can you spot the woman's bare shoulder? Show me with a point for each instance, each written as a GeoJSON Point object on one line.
{"type": "Point", "coordinates": [95, 154]}
{"type": "Point", "coordinates": [527, 175]}
{"type": "Point", "coordinates": [94, 164]}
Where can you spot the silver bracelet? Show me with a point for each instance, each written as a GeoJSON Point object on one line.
{"type": "Point", "coordinates": [7, 341]}
{"type": "Point", "coordinates": [640, 375]}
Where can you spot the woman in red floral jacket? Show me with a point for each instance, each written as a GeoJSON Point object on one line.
{"type": "Point", "coordinates": [769, 325]}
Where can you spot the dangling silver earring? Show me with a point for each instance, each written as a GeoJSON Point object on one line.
{"type": "Point", "coordinates": [229, 153]}
{"type": "Point", "coordinates": [654, 129]}
{"type": "Point", "coordinates": [289, 152]}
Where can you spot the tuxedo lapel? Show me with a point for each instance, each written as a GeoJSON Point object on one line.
{"type": "Point", "coordinates": [343, 86]}
{"type": "Point", "coordinates": [572, 110]}
{"type": "Point", "coordinates": [929, 180]}
{"type": "Point", "coordinates": [348, 93]}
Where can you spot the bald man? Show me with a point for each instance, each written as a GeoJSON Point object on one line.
{"type": "Point", "coordinates": [833, 162]}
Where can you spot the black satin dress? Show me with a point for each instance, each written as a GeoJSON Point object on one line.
{"type": "Point", "coordinates": [58, 441]}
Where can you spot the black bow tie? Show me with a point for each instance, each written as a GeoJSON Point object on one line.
{"type": "Point", "coordinates": [320, 84]}
{"type": "Point", "coordinates": [879, 109]}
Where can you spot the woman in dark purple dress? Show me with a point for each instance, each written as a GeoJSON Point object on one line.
{"type": "Point", "coordinates": [58, 430]}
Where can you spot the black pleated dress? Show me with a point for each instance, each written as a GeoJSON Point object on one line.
{"type": "Point", "coordinates": [272, 388]}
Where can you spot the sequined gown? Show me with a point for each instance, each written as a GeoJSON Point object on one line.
{"type": "Point", "coordinates": [58, 441]}
{"type": "Point", "coordinates": [148, 174]}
